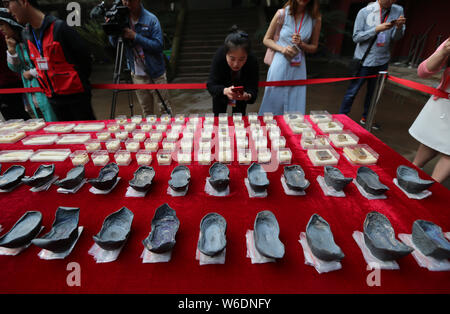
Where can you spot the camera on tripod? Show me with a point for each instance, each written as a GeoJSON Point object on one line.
{"type": "Point", "coordinates": [116, 17]}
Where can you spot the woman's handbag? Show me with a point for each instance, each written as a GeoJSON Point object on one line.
{"type": "Point", "coordinates": [354, 66]}
{"type": "Point", "coordinates": [270, 52]}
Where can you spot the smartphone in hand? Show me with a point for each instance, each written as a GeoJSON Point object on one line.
{"type": "Point", "coordinates": [394, 22]}
{"type": "Point", "coordinates": [238, 89]}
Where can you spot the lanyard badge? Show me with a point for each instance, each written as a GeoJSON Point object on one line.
{"type": "Point", "coordinates": [42, 64]}
{"type": "Point", "coordinates": [381, 37]}
{"type": "Point", "coordinates": [297, 60]}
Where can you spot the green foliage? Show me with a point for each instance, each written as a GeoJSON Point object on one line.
{"type": "Point", "coordinates": [168, 20]}
{"type": "Point", "coordinates": [93, 33]}
{"type": "Point", "coordinates": [261, 32]}
{"type": "Point", "coordinates": [334, 21]}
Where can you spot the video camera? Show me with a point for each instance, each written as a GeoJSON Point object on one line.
{"type": "Point", "coordinates": [116, 17]}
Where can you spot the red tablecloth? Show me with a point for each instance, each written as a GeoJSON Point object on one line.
{"type": "Point", "coordinates": [27, 273]}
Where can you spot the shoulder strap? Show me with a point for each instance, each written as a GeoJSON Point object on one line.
{"type": "Point", "coordinates": [58, 25]}
{"type": "Point", "coordinates": [280, 23]}
{"type": "Point", "coordinates": [281, 16]}
{"type": "Point", "coordinates": [373, 39]}
{"type": "Point", "coordinates": [368, 49]}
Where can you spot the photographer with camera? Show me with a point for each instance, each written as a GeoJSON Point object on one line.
{"type": "Point", "coordinates": [61, 58]}
{"type": "Point", "coordinates": [144, 44]}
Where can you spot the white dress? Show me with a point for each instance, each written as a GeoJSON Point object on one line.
{"type": "Point", "coordinates": [432, 125]}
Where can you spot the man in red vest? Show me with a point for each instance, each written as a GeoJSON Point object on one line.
{"type": "Point", "coordinates": [61, 58]}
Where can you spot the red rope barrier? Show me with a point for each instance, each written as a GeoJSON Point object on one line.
{"type": "Point", "coordinates": [421, 87]}
{"type": "Point", "coordinates": [311, 81]}
{"type": "Point", "coordinates": [149, 86]}
{"type": "Point", "coordinates": [187, 86]}
{"type": "Point", "coordinates": [20, 90]}
{"type": "Point", "coordinates": [411, 84]}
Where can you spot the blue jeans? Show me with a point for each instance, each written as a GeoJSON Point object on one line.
{"type": "Point", "coordinates": [355, 86]}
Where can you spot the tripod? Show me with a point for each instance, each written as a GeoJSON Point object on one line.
{"type": "Point", "coordinates": [118, 64]}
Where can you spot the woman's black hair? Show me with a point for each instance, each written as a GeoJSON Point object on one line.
{"type": "Point", "coordinates": [7, 18]}
{"type": "Point", "coordinates": [18, 31]}
{"type": "Point", "coordinates": [34, 3]}
{"type": "Point", "coordinates": [237, 39]}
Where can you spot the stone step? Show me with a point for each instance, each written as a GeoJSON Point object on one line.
{"type": "Point", "coordinates": [218, 33]}
{"type": "Point", "coordinates": [193, 77]}
{"type": "Point", "coordinates": [204, 71]}
{"type": "Point", "coordinates": [202, 65]}
{"type": "Point", "coordinates": [187, 43]}
{"type": "Point", "coordinates": [196, 49]}
{"type": "Point", "coordinates": [205, 58]}
{"type": "Point", "coordinates": [206, 61]}
{"type": "Point", "coordinates": [195, 74]}
{"type": "Point", "coordinates": [193, 69]}
{"type": "Point", "coordinates": [222, 18]}
{"type": "Point", "coordinates": [242, 24]}
{"type": "Point", "coordinates": [193, 62]}
{"type": "Point", "coordinates": [204, 32]}
{"type": "Point", "coordinates": [194, 55]}
{"type": "Point", "coordinates": [204, 37]}
{"type": "Point", "coordinates": [212, 23]}
{"type": "Point", "coordinates": [190, 79]}
{"type": "Point", "coordinates": [214, 37]}
{"type": "Point", "coordinates": [208, 52]}
{"type": "Point", "coordinates": [222, 13]}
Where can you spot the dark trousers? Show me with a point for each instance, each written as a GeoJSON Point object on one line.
{"type": "Point", "coordinates": [73, 107]}
{"type": "Point", "coordinates": [12, 105]}
{"type": "Point", "coordinates": [220, 107]}
{"type": "Point", "coordinates": [356, 85]}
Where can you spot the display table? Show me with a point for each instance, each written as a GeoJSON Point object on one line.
{"type": "Point", "coordinates": [27, 273]}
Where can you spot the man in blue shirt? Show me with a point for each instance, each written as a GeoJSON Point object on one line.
{"type": "Point", "coordinates": [144, 55]}
{"type": "Point", "coordinates": [385, 21]}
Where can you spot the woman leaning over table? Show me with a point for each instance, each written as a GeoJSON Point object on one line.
{"type": "Point", "coordinates": [299, 35]}
{"type": "Point", "coordinates": [432, 126]}
{"type": "Point", "coordinates": [233, 65]}
{"type": "Point", "coordinates": [19, 61]}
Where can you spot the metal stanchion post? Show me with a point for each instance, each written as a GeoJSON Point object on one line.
{"type": "Point", "coordinates": [382, 76]}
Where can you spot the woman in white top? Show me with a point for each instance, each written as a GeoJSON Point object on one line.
{"type": "Point", "coordinates": [432, 125]}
